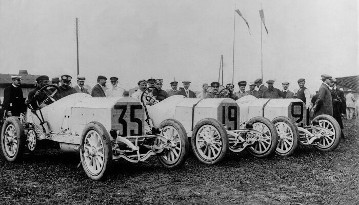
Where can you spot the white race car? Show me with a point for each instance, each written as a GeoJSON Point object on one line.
{"type": "Point", "coordinates": [101, 129]}
{"type": "Point", "coordinates": [214, 126]}
{"type": "Point", "coordinates": [292, 123]}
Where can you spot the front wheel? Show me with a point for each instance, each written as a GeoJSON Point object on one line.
{"type": "Point", "coordinates": [96, 151]}
{"type": "Point", "coordinates": [330, 133]}
{"type": "Point", "coordinates": [175, 141]}
{"type": "Point", "coordinates": [209, 141]}
{"type": "Point", "coordinates": [288, 136]}
{"type": "Point", "coordinates": [12, 139]}
{"type": "Point", "coordinates": [267, 138]}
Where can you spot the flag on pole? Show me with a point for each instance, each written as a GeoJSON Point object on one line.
{"type": "Point", "coordinates": [240, 14]}
{"type": "Point", "coordinates": [261, 14]}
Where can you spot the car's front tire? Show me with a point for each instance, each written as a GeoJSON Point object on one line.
{"type": "Point", "coordinates": [12, 139]}
{"type": "Point", "coordinates": [330, 141]}
{"type": "Point", "coordinates": [177, 145]}
{"type": "Point", "coordinates": [288, 136]}
{"type": "Point", "coordinates": [96, 151]}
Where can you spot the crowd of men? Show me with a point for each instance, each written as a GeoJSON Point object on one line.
{"type": "Point", "coordinates": [329, 99]}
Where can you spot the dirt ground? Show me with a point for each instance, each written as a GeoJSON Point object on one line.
{"type": "Point", "coordinates": [307, 177]}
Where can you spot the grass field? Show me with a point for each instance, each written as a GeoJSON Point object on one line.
{"type": "Point", "coordinates": [307, 177]}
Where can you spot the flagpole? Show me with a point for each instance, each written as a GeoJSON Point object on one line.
{"type": "Point", "coordinates": [222, 67]}
{"type": "Point", "coordinates": [219, 70]}
{"type": "Point", "coordinates": [77, 46]}
{"type": "Point", "coordinates": [234, 40]}
{"type": "Point", "coordinates": [261, 48]}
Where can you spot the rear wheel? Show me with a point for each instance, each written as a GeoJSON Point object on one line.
{"type": "Point", "coordinates": [267, 139]}
{"type": "Point", "coordinates": [330, 136]}
{"type": "Point", "coordinates": [12, 139]}
{"type": "Point", "coordinates": [96, 151]}
{"type": "Point", "coordinates": [288, 136]}
{"type": "Point", "coordinates": [209, 141]}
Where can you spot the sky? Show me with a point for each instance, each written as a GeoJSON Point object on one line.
{"type": "Point", "coordinates": [181, 40]}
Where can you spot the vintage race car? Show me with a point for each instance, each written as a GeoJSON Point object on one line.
{"type": "Point", "coordinates": [214, 126]}
{"type": "Point", "coordinates": [292, 123]}
{"type": "Point", "coordinates": [100, 129]}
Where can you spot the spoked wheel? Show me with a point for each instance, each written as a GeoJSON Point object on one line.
{"type": "Point", "coordinates": [175, 142]}
{"type": "Point", "coordinates": [96, 152]}
{"type": "Point", "coordinates": [31, 140]}
{"type": "Point", "coordinates": [267, 140]}
{"type": "Point", "coordinates": [288, 136]}
{"type": "Point", "coordinates": [209, 141]}
{"type": "Point", "coordinates": [330, 136]}
{"type": "Point", "coordinates": [12, 139]}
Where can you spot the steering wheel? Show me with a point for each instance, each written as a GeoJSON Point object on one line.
{"type": "Point", "coordinates": [147, 97]}
{"type": "Point", "coordinates": [49, 91]}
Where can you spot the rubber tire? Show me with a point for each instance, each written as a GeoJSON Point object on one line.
{"type": "Point", "coordinates": [184, 144]}
{"type": "Point", "coordinates": [20, 138]}
{"type": "Point", "coordinates": [295, 136]}
{"type": "Point", "coordinates": [274, 137]}
{"type": "Point", "coordinates": [101, 130]}
{"type": "Point", "coordinates": [224, 138]}
{"type": "Point", "coordinates": [337, 129]}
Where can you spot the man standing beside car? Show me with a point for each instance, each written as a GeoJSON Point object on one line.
{"type": "Point", "coordinates": [14, 102]}
{"type": "Point", "coordinates": [324, 104]}
{"type": "Point", "coordinates": [99, 89]}
{"type": "Point", "coordinates": [80, 87]}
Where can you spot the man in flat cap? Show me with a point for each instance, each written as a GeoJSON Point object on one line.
{"type": "Point", "coordinates": [252, 89]}
{"type": "Point", "coordinates": [261, 87]}
{"type": "Point", "coordinates": [286, 93]}
{"type": "Point", "coordinates": [80, 87]}
{"type": "Point", "coordinates": [14, 102]}
{"type": "Point", "coordinates": [230, 94]}
{"type": "Point", "coordinates": [115, 90]}
{"type": "Point", "coordinates": [151, 82]}
{"type": "Point", "coordinates": [99, 89]}
{"type": "Point", "coordinates": [303, 93]}
{"type": "Point", "coordinates": [65, 89]}
{"type": "Point", "coordinates": [185, 91]}
{"type": "Point", "coordinates": [173, 90]}
{"type": "Point", "coordinates": [271, 92]}
{"type": "Point", "coordinates": [38, 101]}
{"type": "Point", "coordinates": [324, 104]}
{"type": "Point", "coordinates": [242, 89]}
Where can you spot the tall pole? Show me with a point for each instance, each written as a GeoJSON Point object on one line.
{"type": "Point", "coordinates": [261, 48]}
{"type": "Point", "coordinates": [77, 46]}
{"type": "Point", "coordinates": [234, 40]}
{"type": "Point", "coordinates": [219, 70]}
{"type": "Point", "coordinates": [222, 67]}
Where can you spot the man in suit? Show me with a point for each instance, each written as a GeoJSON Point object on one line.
{"type": "Point", "coordinates": [185, 91]}
{"type": "Point", "coordinates": [80, 87]}
{"type": "Point", "coordinates": [173, 90]}
{"type": "Point", "coordinates": [285, 92]}
{"type": "Point", "coordinates": [271, 91]}
{"type": "Point", "coordinates": [252, 91]}
{"type": "Point", "coordinates": [14, 102]}
{"type": "Point", "coordinates": [99, 89]}
{"type": "Point", "coordinates": [38, 101]}
{"type": "Point", "coordinates": [324, 104]}
{"type": "Point", "coordinates": [261, 87]}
